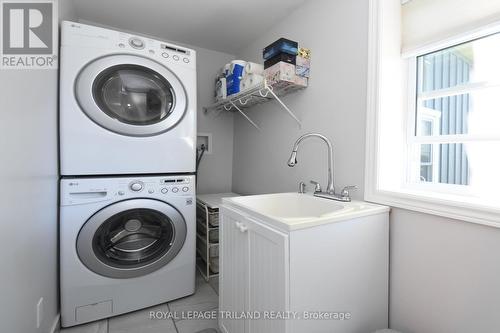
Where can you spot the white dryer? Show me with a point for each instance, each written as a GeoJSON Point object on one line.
{"type": "Point", "coordinates": [127, 104]}
{"type": "Point", "coordinates": [125, 244]}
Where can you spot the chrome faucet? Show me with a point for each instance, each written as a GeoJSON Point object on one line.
{"type": "Point", "coordinates": [330, 188]}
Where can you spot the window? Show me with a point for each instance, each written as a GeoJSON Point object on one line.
{"type": "Point", "coordinates": [455, 135]}
{"type": "Point", "coordinates": [433, 121]}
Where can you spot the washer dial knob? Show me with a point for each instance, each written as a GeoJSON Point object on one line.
{"type": "Point", "coordinates": [136, 186]}
{"type": "Point", "coordinates": [175, 189]}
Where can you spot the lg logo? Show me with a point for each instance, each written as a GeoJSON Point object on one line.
{"type": "Point", "coordinates": [27, 28]}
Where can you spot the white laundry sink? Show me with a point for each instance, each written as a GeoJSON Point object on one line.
{"type": "Point", "coordinates": [295, 211]}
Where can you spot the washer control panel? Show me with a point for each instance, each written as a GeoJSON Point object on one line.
{"type": "Point", "coordinates": [171, 185]}
{"type": "Point", "coordinates": [87, 190]}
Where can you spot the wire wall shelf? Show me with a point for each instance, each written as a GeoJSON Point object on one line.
{"type": "Point", "coordinates": [259, 94]}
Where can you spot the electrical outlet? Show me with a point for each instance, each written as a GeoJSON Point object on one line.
{"type": "Point", "coordinates": [39, 313]}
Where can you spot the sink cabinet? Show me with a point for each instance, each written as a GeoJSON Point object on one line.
{"type": "Point", "coordinates": [254, 273]}
{"type": "Point", "coordinates": [331, 269]}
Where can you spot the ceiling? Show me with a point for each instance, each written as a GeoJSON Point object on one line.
{"type": "Point", "coordinates": [221, 25]}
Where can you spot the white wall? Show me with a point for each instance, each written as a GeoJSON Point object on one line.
{"type": "Point", "coordinates": [333, 104]}
{"type": "Point", "coordinates": [444, 275]}
{"type": "Point", "coordinates": [28, 198]}
{"type": "Point", "coordinates": [216, 169]}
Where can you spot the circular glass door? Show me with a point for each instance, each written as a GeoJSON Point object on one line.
{"type": "Point", "coordinates": [130, 95]}
{"type": "Point", "coordinates": [133, 94]}
{"type": "Point", "coordinates": [131, 238]}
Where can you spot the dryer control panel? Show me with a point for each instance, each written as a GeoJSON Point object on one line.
{"type": "Point", "coordinates": [88, 190]}
{"type": "Point", "coordinates": [82, 35]}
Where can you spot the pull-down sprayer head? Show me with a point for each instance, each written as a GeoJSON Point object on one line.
{"type": "Point", "coordinates": [293, 159]}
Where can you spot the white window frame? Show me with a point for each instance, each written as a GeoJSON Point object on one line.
{"type": "Point", "coordinates": [434, 118]}
{"type": "Point", "coordinates": [452, 201]}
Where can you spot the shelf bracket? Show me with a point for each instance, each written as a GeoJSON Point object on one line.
{"type": "Point", "coordinates": [244, 115]}
{"type": "Point", "coordinates": [266, 89]}
{"type": "Point", "coordinates": [270, 89]}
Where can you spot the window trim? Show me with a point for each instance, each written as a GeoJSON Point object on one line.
{"type": "Point", "coordinates": [454, 206]}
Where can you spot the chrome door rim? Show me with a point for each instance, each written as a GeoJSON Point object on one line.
{"type": "Point", "coordinates": [84, 243]}
{"type": "Point", "coordinates": [84, 95]}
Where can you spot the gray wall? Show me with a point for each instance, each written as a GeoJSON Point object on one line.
{"type": "Point", "coordinates": [444, 273]}
{"type": "Point", "coordinates": [334, 104]}
{"type": "Point", "coordinates": [28, 198]}
{"type": "Point", "coordinates": [216, 169]}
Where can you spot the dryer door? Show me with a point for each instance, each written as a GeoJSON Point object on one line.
{"type": "Point", "coordinates": [131, 238]}
{"type": "Point", "coordinates": [131, 95]}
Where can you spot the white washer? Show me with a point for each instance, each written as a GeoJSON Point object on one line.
{"type": "Point", "coordinates": [127, 104]}
{"type": "Point", "coordinates": [125, 244]}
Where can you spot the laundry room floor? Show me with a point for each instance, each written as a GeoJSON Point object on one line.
{"type": "Point", "coordinates": [205, 299]}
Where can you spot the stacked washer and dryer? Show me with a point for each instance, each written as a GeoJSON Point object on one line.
{"type": "Point", "coordinates": [127, 150]}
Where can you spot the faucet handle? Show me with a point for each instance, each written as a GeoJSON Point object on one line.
{"type": "Point", "coordinates": [345, 191]}
{"type": "Point", "coordinates": [317, 186]}
{"type": "Point", "coordinates": [302, 187]}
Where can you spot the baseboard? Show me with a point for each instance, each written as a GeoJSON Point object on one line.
{"type": "Point", "coordinates": [56, 325]}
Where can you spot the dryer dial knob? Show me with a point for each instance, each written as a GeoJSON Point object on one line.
{"type": "Point", "coordinates": [136, 187]}
{"type": "Point", "coordinates": [136, 43]}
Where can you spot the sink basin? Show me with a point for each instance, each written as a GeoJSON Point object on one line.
{"type": "Point", "coordinates": [290, 205]}
{"type": "Point", "coordinates": [295, 210]}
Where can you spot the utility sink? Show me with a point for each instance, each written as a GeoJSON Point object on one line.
{"type": "Point", "coordinates": [290, 205]}
{"type": "Point", "coordinates": [295, 210]}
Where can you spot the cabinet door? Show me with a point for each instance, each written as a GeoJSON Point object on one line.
{"type": "Point", "coordinates": [268, 280]}
{"type": "Point", "coordinates": [233, 256]}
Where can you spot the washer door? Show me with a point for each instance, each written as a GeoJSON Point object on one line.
{"type": "Point", "coordinates": [130, 95]}
{"type": "Point", "coordinates": [131, 238]}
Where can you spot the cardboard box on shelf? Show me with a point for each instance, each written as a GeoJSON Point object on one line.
{"type": "Point", "coordinates": [282, 71]}
{"type": "Point", "coordinates": [282, 45]}
{"type": "Point", "coordinates": [283, 74]}
{"type": "Point", "coordinates": [285, 57]}
{"type": "Point", "coordinates": [303, 66]}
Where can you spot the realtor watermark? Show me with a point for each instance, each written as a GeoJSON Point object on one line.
{"type": "Point", "coordinates": [250, 315]}
{"type": "Point", "coordinates": [29, 34]}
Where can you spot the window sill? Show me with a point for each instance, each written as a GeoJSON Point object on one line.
{"type": "Point", "coordinates": [446, 205]}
